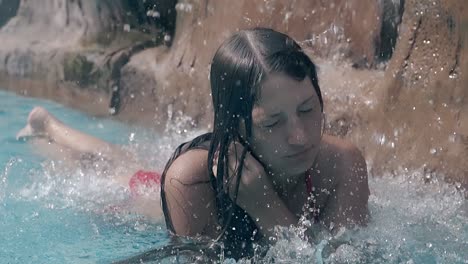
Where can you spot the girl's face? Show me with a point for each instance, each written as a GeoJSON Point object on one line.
{"type": "Point", "coordinates": [287, 125]}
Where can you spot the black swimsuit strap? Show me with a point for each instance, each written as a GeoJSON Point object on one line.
{"type": "Point", "coordinates": [199, 142]}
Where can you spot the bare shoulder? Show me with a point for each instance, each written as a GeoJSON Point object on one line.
{"type": "Point", "coordinates": [190, 167]}
{"type": "Point", "coordinates": [345, 164]}
{"type": "Point", "coordinates": [340, 163]}
{"type": "Point", "coordinates": [341, 153]}
{"type": "Point", "coordinates": [338, 145]}
{"type": "Point", "coordinates": [190, 198]}
{"type": "Point", "coordinates": [344, 160]}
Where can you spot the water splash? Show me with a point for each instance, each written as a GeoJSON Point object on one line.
{"type": "Point", "coordinates": [411, 222]}
{"type": "Point", "coordinates": [4, 178]}
{"type": "Point", "coordinates": [414, 219]}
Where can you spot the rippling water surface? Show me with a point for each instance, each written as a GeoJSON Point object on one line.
{"type": "Point", "coordinates": [51, 215]}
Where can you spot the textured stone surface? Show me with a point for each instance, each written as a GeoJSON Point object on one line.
{"type": "Point", "coordinates": [327, 29]}
{"type": "Point", "coordinates": [420, 119]}
{"type": "Point", "coordinates": [408, 113]}
{"type": "Point", "coordinates": [76, 45]}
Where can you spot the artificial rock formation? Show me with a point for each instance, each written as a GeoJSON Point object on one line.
{"type": "Point", "coordinates": [409, 112]}
{"type": "Point", "coordinates": [72, 51]}
{"type": "Point", "coordinates": [422, 117]}
{"type": "Point", "coordinates": [181, 72]}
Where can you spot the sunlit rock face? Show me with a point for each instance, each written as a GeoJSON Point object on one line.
{"type": "Point", "coordinates": [328, 29]}
{"type": "Point", "coordinates": [406, 114]}
{"type": "Point", "coordinates": [70, 51]}
{"type": "Point", "coordinates": [85, 44]}
{"type": "Point", "coordinates": [421, 116]}
{"type": "Point", "coordinates": [392, 72]}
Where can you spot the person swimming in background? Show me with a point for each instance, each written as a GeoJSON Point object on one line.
{"type": "Point", "coordinates": [267, 161]}
{"type": "Point", "coordinates": [75, 149]}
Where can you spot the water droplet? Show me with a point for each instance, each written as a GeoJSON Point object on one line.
{"type": "Point", "coordinates": [382, 139]}
{"type": "Point", "coordinates": [453, 137]}
{"type": "Point", "coordinates": [453, 75]}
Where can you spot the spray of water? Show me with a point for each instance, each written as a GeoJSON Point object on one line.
{"type": "Point", "coordinates": [413, 218]}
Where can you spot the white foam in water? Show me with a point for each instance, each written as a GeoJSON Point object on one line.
{"type": "Point", "coordinates": [92, 189]}
{"type": "Point", "coordinates": [73, 188]}
{"type": "Point", "coordinates": [411, 222]}
{"type": "Point", "coordinates": [413, 219]}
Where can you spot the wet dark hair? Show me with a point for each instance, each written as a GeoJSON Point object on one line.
{"type": "Point", "coordinates": [238, 69]}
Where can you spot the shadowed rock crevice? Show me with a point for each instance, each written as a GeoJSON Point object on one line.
{"type": "Point", "coordinates": [82, 43]}
{"type": "Point", "coordinates": [8, 9]}
{"type": "Point", "coordinates": [391, 20]}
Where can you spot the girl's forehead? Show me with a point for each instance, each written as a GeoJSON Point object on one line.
{"type": "Point", "coordinates": [279, 90]}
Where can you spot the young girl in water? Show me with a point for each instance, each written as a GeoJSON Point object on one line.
{"type": "Point", "coordinates": [266, 160]}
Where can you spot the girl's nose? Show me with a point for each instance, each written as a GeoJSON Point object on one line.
{"type": "Point", "coordinates": [297, 134]}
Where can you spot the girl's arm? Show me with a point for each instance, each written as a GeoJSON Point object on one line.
{"type": "Point", "coordinates": [257, 196]}
{"type": "Point", "coordinates": [191, 199]}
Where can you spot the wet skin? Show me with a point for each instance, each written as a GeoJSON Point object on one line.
{"type": "Point", "coordinates": [287, 141]}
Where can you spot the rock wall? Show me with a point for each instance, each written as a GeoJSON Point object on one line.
{"type": "Point", "coordinates": [422, 115]}
{"type": "Point", "coordinates": [409, 112]}
{"type": "Point", "coordinates": [60, 48]}
{"type": "Point", "coordinates": [328, 29]}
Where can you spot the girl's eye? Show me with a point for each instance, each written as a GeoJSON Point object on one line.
{"type": "Point", "coordinates": [271, 124]}
{"type": "Point", "coordinates": [306, 110]}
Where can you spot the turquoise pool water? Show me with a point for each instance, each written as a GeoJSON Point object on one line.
{"type": "Point", "coordinates": [51, 215]}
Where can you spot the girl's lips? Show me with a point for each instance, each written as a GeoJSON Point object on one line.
{"type": "Point", "coordinates": [300, 153]}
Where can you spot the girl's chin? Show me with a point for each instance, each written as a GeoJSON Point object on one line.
{"type": "Point", "coordinates": [291, 167]}
{"type": "Point", "coordinates": [298, 165]}
{"type": "Point", "coordinates": [291, 170]}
